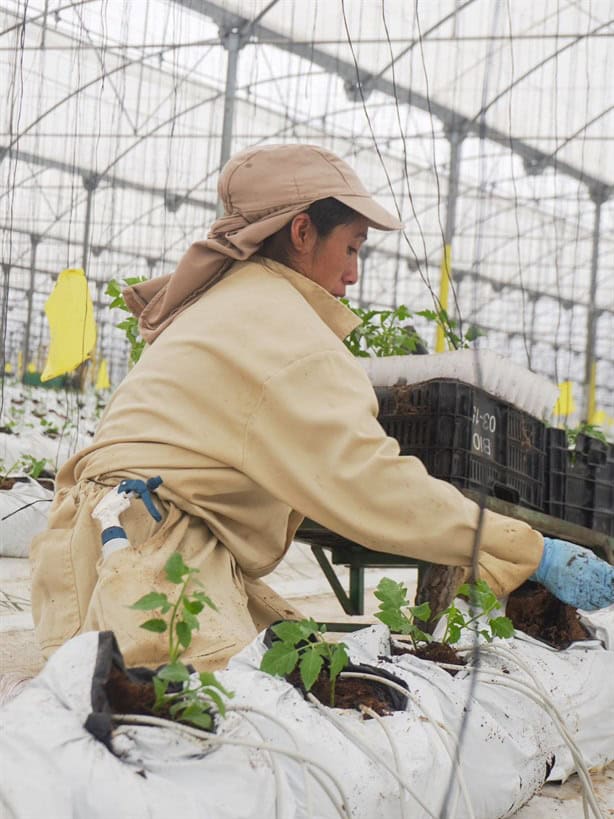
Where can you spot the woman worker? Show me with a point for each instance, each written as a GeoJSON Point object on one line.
{"type": "Point", "coordinates": [254, 414]}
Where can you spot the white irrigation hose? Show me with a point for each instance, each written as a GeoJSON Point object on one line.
{"type": "Point", "coordinates": [250, 709]}
{"type": "Point", "coordinates": [544, 702]}
{"type": "Point", "coordinates": [550, 708]}
{"type": "Point", "coordinates": [342, 807]}
{"type": "Point", "coordinates": [274, 765]}
{"type": "Point", "coordinates": [362, 746]}
{"type": "Point", "coordinates": [395, 752]}
{"type": "Point", "coordinates": [440, 729]}
{"type": "Point", "coordinates": [588, 792]}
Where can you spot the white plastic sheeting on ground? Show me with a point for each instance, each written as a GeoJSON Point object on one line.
{"type": "Point", "coordinates": [23, 514]}
{"type": "Point", "coordinates": [276, 755]}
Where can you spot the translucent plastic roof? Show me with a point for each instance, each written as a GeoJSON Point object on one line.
{"type": "Point", "coordinates": [111, 143]}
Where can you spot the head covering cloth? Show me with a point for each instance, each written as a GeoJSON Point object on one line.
{"type": "Point", "coordinates": [262, 189]}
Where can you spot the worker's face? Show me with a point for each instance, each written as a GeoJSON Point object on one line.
{"type": "Point", "coordinates": [332, 261]}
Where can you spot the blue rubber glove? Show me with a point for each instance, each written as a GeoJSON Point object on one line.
{"type": "Point", "coordinates": [575, 575]}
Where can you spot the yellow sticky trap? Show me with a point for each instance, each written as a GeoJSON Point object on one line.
{"type": "Point", "coordinates": [565, 404]}
{"type": "Point", "coordinates": [102, 379]}
{"type": "Point", "coordinates": [70, 313]}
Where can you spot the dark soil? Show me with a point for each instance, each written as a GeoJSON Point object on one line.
{"type": "Point", "coordinates": [532, 609]}
{"type": "Point", "coordinates": [350, 692]}
{"type": "Point", "coordinates": [437, 652]}
{"type": "Point", "coordinates": [9, 483]}
{"type": "Point", "coordinates": [126, 696]}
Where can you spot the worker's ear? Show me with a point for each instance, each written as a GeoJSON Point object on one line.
{"type": "Point", "coordinates": [303, 234]}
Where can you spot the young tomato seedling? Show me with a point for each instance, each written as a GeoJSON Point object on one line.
{"type": "Point", "coordinates": [482, 601]}
{"type": "Point", "coordinates": [398, 615]}
{"type": "Point", "coordinates": [301, 642]}
{"type": "Point", "coordinates": [191, 702]}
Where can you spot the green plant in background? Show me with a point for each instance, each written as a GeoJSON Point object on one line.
{"type": "Point", "coordinates": [192, 702]}
{"type": "Point", "coordinates": [400, 617]}
{"type": "Point", "coordinates": [584, 428]}
{"type": "Point", "coordinates": [301, 642]}
{"type": "Point", "coordinates": [396, 612]}
{"type": "Point", "coordinates": [34, 466]}
{"type": "Point", "coordinates": [382, 333]}
{"type": "Point", "coordinates": [386, 332]}
{"type": "Point", "coordinates": [483, 601]}
{"type": "Point", "coordinates": [130, 325]}
{"type": "Point", "coordinates": [448, 325]}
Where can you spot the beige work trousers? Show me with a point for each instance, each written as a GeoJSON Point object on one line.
{"type": "Point", "coordinates": [74, 590]}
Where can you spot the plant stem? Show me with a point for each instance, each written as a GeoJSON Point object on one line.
{"type": "Point", "coordinates": [174, 650]}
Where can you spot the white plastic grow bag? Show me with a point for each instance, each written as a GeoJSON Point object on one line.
{"type": "Point", "coordinates": [299, 759]}
{"type": "Point", "coordinates": [23, 513]}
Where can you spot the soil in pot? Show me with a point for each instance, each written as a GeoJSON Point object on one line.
{"type": "Point", "coordinates": [436, 652]}
{"type": "Point", "coordinates": [541, 615]}
{"type": "Point", "coordinates": [132, 692]}
{"type": "Point", "coordinates": [9, 483]}
{"type": "Point", "coordinates": [351, 692]}
{"type": "Point", "coordinates": [127, 695]}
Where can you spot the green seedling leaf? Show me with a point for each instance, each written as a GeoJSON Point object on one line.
{"type": "Point", "coordinates": [157, 625]}
{"type": "Point", "coordinates": [200, 718]}
{"type": "Point", "coordinates": [202, 598]}
{"type": "Point", "coordinates": [310, 666]}
{"type": "Point", "coordinates": [176, 569]}
{"type": "Point", "coordinates": [338, 660]}
{"type": "Point", "coordinates": [289, 632]}
{"type": "Point", "coordinates": [193, 606]}
{"type": "Point", "coordinates": [174, 672]}
{"type": "Point", "coordinates": [392, 593]}
{"type": "Point", "coordinates": [394, 619]}
{"type": "Point", "coordinates": [502, 627]}
{"type": "Point", "coordinates": [190, 620]}
{"type": "Point", "coordinates": [184, 633]}
{"type": "Point", "coordinates": [421, 612]}
{"type": "Point", "coordinates": [216, 699]}
{"type": "Point", "coordinates": [151, 601]}
{"type": "Point", "coordinates": [279, 660]}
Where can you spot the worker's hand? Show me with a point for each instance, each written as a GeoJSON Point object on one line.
{"type": "Point", "coordinates": [575, 575]}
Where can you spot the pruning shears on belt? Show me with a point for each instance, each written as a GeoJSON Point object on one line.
{"type": "Point", "coordinates": [108, 510]}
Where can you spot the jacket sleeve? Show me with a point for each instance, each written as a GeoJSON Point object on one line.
{"type": "Point", "coordinates": [314, 442]}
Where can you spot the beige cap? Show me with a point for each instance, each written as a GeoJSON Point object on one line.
{"type": "Point", "coordinates": [262, 190]}
{"type": "Point", "coordinates": [263, 179]}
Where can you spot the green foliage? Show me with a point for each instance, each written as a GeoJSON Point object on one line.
{"type": "Point", "coordinates": [33, 466]}
{"type": "Point", "coordinates": [584, 428]}
{"type": "Point", "coordinates": [382, 333]}
{"type": "Point", "coordinates": [301, 642]}
{"type": "Point", "coordinates": [191, 702]}
{"type": "Point", "coordinates": [130, 325]}
{"type": "Point", "coordinates": [398, 615]}
{"type": "Point", "coordinates": [386, 332]}
{"type": "Point", "coordinates": [27, 463]}
{"type": "Point", "coordinates": [483, 601]}
{"type": "Point", "coordinates": [448, 325]}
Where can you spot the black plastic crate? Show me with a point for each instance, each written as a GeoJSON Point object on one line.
{"type": "Point", "coordinates": [580, 481]}
{"type": "Point", "coordinates": [468, 437]}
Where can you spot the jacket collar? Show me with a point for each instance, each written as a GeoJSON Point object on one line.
{"type": "Point", "coordinates": [333, 313]}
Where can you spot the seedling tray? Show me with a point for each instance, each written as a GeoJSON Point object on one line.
{"type": "Point", "coordinates": [468, 437]}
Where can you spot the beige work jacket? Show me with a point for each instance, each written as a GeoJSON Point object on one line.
{"type": "Point", "coordinates": [254, 413]}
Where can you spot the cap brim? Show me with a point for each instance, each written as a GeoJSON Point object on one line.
{"type": "Point", "coordinates": [378, 217]}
